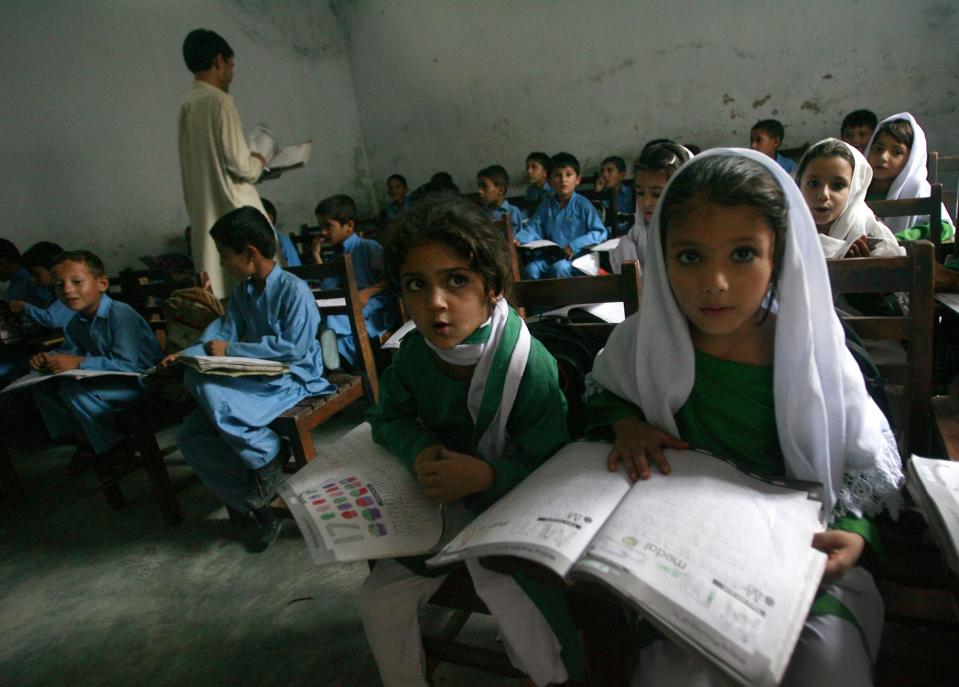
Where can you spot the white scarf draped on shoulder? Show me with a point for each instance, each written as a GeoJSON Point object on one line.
{"type": "Point", "coordinates": [856, 219]}
{"type": "Point", "coordinates": [830, 430]}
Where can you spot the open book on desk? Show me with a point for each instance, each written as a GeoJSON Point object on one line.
{"type": "Point", "coordinates": [718, 560]}
{"type": "Point", "coordinates": [934, 485]}
{"type": "Point", "coordinates": [34, 377]}
{"type": "Point", "coordinates": [278, 160]}
{"type": "Point", "coordinates": [233, 366]}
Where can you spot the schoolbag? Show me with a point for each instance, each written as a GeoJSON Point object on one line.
{"type": "Point", "coordinates": [187, 313]}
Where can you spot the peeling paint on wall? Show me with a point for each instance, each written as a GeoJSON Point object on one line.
{"type": "Point", "coordinates": [761, 101]}
{"type": "Point", "coordinates": [728, 99]}
{"type": "Point", "coordinates": [811, 106]}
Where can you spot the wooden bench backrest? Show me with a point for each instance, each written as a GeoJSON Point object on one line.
{"type": "Point", "coordinates": [912, 274]}
{"type": "Point", "coordinates": [944, 170]}
{"type": "Point", "coordinates": [342, 269]}
{"type": "Point", "coordinates": [906, 207]}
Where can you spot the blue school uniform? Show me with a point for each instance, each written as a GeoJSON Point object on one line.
{"type": "Point", "coordinates": [515, 217]}
{"type": "Point", "coordinates": [576, 225]}
{"type": "Point", "coordinates": [288, 249]}
{"type": "Point", "coordinates": [23, 288]}
{"type": "Point", "coordinates": [54, 316]}
{"type": "Point", "coordinates": [381, 312]}
{"type": "Point", "coordinates": [115, 338]}
{"type": "Point", "coordinates": [786, 163]}
{"type": "Point", "coordinates": [625, 203]}
{"type": "Point", "coordinates": [393, 210]}
{"type": "Point", "coordinates": [228, 434]}
{"type": "Point", "coordinates": [535, 196]}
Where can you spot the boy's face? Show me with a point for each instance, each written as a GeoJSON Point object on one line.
{"type": "Point", "coordinates": [611, 175]}
{"type": "Point", "coordinates": [78, 288]}
{"type": "Point", "coordinates": [887, 157]}
{"type": "Point", "coordinates": [41, 275]}
{"type": "Point", "coordinates": [238, 265]}
{"type": "Point", "coordinates": [334, 232]}
{"type": "Point", "coordinates": [396, 190]}
{"type": "Point", "coordinates": [762, 142]}
{"type": "Point", "coordinates": [857, 136]}
{"type": "Point", "coordinates": [535, 173]}
{"type": "Point", "coordinates": [490, 194]}
{"type": "Point", "coordinates": [564, 181]}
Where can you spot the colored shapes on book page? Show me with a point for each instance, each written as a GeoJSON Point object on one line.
{"type": "Point", "coordinates": [378, 529]}
{"type": "Point", "coordinates": [348, 515]}
{"type": "Point", "coordinates": [372, 513]}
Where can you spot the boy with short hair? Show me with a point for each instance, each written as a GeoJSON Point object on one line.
{"type": "Point", "coordinates": [287, 250]}
{"type": "Point", "coordinates": [102, 335]}
{"type": "Point", "coordinates": [398, 191]}
{"type": "Point", "coordinates": [765, 137]}
{"type": "Point", "coordinates": [857, 128]}
{"type": "Point", "coordinates": [271, 315]}
{"type": "Point", "coordinates": [566, 218]}
{"type": "Point", "coordinates": [336, 216]}
{"type": "Point", "coordinates": [21, 286]}
{"type": "Point", "coordinates": [492, 183]}
{"type": "Point", "coordinates": [537, 173]}
{"type": "Point", "coordinates": [612, 171]}
{"type": "Point", "coordinates": [39, 260]}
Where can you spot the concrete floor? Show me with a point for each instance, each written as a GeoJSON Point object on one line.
{"type": "Point", "coordinates": [93, 596]}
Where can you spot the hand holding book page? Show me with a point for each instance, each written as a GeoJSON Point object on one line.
{"type": "Point", "coordinates": [719, 560]}
{"type": "Point", "coordinates": [360, 502]}
{"type": "Point", "coordinates": [262, 141]}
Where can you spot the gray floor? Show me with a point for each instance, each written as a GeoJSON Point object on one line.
{"type": "Point", "coordinates": [92, 596]}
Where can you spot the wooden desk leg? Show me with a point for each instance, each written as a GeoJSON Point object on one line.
{"type": "Point", "coordinates": [9, 477]}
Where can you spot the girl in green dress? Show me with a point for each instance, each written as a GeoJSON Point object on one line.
{"type": "Point", "coordinates": [737, 350]}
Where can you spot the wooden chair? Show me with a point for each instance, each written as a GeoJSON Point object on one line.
{"type": "Point", "coordinates": [944, 170]}
{"type": "Point", "coordinates": [598, 614]}
{"type": "Point", "coordinates": [906, 207]}
{"type": "Point", "coordinates": [297, 423]}
{"type": "Point", "coordinates": [912, 274]}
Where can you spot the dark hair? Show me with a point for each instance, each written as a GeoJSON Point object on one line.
{"type": "Point", "coordinates": [41, 254]}
{"type": "Point", "coordinates": [563, 160]}
{"type": "Point", "coordinates": [200, 48]}
{"type": "Point", "coordinates": [859, 118]}
{"type": "Point", "coordinates": [772, 127]}
{"type": "Point", "coordinates": [616, 160]}
{"type": "Point", "coordinates": [84, 257]}
{"type": "Point", "coordinates": [729, 180]}
{"type": "Point", "coordinates": [443, 180]}
{"type": "Point", "coordinates": [458, 224]}
{"type": "Point", "coordinates": [8, 251]}
{"type": "Point", "coordinates": [339, 208]}
{"type": "Point", "coordinates": [828, 148]}
{"type": "Point", "coordinates": [899, 129]}
{"type": "Point", "coordinates": [244, 227]}
{"type": "Point", "coordinates": [540, 157]}
{"type": "Point", "coordinates": [497, 174]}
{"type": "Point", "coordinates": [655, 142]}
{"type": "Point", "coordinates": [398, 177]}
{"type": "Point", "coordinates": [270, 209]}
{"type": "Point", "coordinates": [666, 156]}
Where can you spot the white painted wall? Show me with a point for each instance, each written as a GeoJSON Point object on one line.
{"type": "Point", "coordinates": [457, 85]}
{"type": "Point", "coordinates": [91, 93]}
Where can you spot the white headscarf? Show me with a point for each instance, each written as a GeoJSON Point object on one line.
{"type": "Point", "coordinates": [830, 430]}
{"type": "Point", "coordinates": [632, 246]}
{"type": "Point", "coordinates": [856, 219]}
{"type": "Point", "coordinates": [912, 181]}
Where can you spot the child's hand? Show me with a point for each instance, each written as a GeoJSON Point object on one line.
{"type": "Point", "coordinates": [215, 347]}
{"type": "Point", "coordinates": [168, 361]}
{"type": "Point", "coordinates": [365, 295]}
{"type": "Point", "coordinates": [17, 306]}
{"type": "Point", "coordinates": [600, 184]}
{"type": "Point", "coordinates": [843, 550]}
{"type": "Point", "coordinates": [39, 362]}
{"type": "Point", "coordinates": [452, 475]}
{"type": "Point", "coordinates": [61, 362]}
{"type": "Point", "coordinates": [858, 248]}
{"type": "Point", "coordinates": [637, 444]}
{"type": "Point", "coordinates": [569, 252]}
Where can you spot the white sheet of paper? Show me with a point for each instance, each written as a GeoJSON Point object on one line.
{"type": "Point", "coordinates": [32, 378]}
{"type": "Point", "coordinates": [587, 264]}
{"type": "Point", "coordinates": [262, 141]}
{"type": "Point", "coordinates": [291, 156]}
{"type": "Point", "coordinates": [540, 243]}
{"type": "Point", "coordinates": [330, 302]}
{"type": "Point", "coordinates": [607, 245]}
{"type": "Point", "coordinates": [938, 498]}
{"type": "Point", "coordinates": [950, 300]}
{"type": "Point", "coordinates": [395, 340]}
{"type": "Point", "coordinates": [614, 313]}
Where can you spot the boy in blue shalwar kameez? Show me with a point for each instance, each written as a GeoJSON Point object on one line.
{"type": "Point", "coordinates": [271, 315]}
{"type": "Point", "coordinates": [336, 217]}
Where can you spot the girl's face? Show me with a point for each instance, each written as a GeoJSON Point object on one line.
{"type": "Point", "coordinates": [887, 157]}
{"type": "Point", "coordinates": [446, 299]}
{"type": "Point", "coordinates": [825, 186]}
{"type": "Point", "coordinates": [719, 261]}
{"type": "Point", "coordinates": [649, 185]}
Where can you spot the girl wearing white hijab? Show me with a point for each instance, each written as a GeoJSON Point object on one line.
{"type": "Point", "coordinates": [897, 154]}
{"type": "Point", "coordinates": [659, 160]}
{"type": "Point", "coordinates": [833, 178]}
{"type": "Point", "coordinates": [472, 405]}
{"type": "Point", "coordinates": [705, 363]}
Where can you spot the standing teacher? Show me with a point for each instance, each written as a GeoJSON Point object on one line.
{"type": "Point", "coordinates": [216, 165]}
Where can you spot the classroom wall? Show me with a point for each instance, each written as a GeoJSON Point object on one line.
{"type": "Point", "coordinates": [459, 85]}
{"type": "Point", "coordinates": [90, 115]}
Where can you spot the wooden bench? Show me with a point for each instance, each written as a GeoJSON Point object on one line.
{"type": "Point", "coordinates": [907, 207]}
